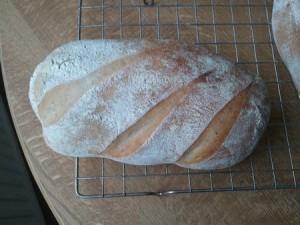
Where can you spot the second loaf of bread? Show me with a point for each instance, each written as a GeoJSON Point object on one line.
{"type": "Point", "coordinates": [148, 102]}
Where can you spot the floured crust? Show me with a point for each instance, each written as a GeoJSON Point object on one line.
{"type": "Point", "coordinates": [286, 30]}
{"type": "Point", "coordinates": [144, 103]}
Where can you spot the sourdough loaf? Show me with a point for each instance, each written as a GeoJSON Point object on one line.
{"type": "Point", "coordinates": [286, 30]}
{"type": "Point", "coordinates": [148, 102]}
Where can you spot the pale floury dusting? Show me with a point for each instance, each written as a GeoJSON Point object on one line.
{"type": "Point", "coordinates": [286, 29]}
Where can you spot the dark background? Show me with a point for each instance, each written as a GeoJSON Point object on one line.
{"type": "Point", "coordinates": [6, 150]}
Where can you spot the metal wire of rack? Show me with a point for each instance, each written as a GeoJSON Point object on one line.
{"type": "Point", "coordinates": [239, 30]}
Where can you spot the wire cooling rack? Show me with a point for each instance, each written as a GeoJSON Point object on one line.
{"type": "Point", "coordinates": [239, 30]}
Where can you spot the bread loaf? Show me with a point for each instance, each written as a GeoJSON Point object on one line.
{"type": "Point", "coordinates": [148, 102]}
{"type": "Point", "coordinates": [286, 30]}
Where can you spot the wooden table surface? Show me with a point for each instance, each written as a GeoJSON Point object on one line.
{"type": "Point", "coordinates": [29, 31]}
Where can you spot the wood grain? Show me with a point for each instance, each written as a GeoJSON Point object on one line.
{"type": "Point", "coordinates": [29, 31]}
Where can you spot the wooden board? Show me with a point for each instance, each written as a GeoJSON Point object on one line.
{"type": "Point", "coordinates": [29, 31]}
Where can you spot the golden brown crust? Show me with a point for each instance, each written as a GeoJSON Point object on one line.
{"type": "Point", "coordinates": [213, 137]}
{"type": "Point", "coordinates": [61, 98]}
{"type": "Point", "coordinates": [130, 141]}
